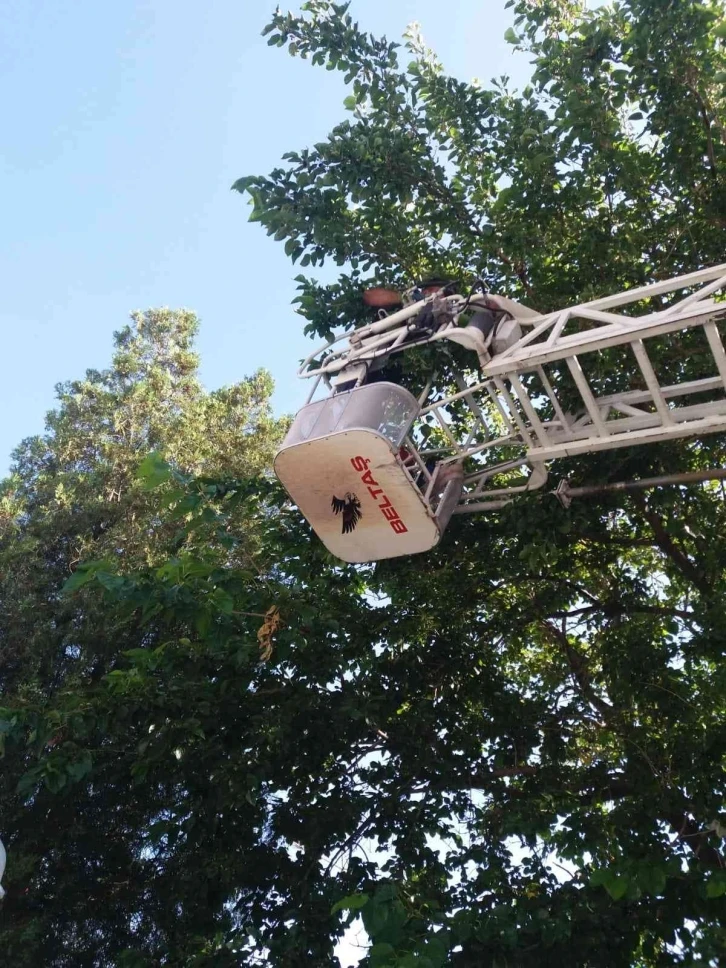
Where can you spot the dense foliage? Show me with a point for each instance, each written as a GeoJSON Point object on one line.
{"type": "Point", "coordinates": [220, 745]}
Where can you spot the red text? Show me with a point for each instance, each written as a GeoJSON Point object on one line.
{"type": "Point", "coordinates": [388, 511]}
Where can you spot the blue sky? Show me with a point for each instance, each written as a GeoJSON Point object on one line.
{"type": "Point", "coordinates": [124, 126]}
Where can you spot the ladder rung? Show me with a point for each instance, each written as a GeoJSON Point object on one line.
{"type": "Point", "coordinates": [586, 393]}
{"type": "Point", "coordinates": [512, 407]}
{"type": "Point", "coordinates": [523, 398]}
{"type": "Point", "coordinates": [714, 341]}
{"type": "Point", "coordinates": [651, 380]}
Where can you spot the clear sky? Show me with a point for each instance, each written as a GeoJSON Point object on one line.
{"type": "Point", "coordinates": [124, 125]}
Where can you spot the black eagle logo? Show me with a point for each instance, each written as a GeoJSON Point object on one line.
{"type": "Point", "coordinates": [350, 506]}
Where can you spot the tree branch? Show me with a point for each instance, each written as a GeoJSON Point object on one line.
{"type": "Point", "coordinates": [614, 608]}
{"type": "Point", "coordinates": [689, 833]}
{"type": "Point", "coordinates": [696, 838]}
{"type": "Point", "coordinates": [579, 669]}
{"type": "Point", "coordinates": [703, 109]}
{"type": "Point", "coordinates": [669, 548]}
{"type": "Point", "coordinates": [519, 270]}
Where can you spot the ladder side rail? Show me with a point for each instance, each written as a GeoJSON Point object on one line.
{"type": "Point", "coordinates": [696, 297]}
{"type": "Point", "coordinates": [591, 309]}
{"type": "Point", "coordinates": [623, 427]}
{"type": "Point", "coordinates": [480, 478]}
{"type": "Point", "coordinates": [453, 397]}
{"type": "Point", "coordinates": [597, 339]}
{"type": "Point", "coordinates": [634, 397]}
{"type": "Point", "coordinates": [606, 337]}
{"type": "Point", "coordinates": [692, 426]}
{"type": "Point", "coordinates": [617, 320]}
{"type": "Point", "coordinates": [715, 275]}
{"type": "Point", "coordinates": [501, 496]}
{"type": "Point", "coordinates": [658, 288]}
{"type": "Point", "coordinates": [513, 441]}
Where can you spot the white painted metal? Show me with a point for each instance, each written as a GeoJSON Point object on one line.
{"type": "Point", "coordinates": [350, 449]}
{"type": "Point", "coordinates": [395, 519]}
{"type": "Point", "coordinates": [543, 396]}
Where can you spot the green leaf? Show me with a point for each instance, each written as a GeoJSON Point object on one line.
{"type": "Point", "coordinates": [354, 902]}
{"type": "Point", "coordinates": [224, 601]}
{"type": "Point", "coordinates": [85, 573]}
{"type": "Point", "coordinates": [652, 880]}
{"type": "Point", "coordinates": [54, 780]}
{"type": "Point", "coordinates": [614, 882]}
{"type": "Point", "coordinates": [153, 471]}
{"type": "Point", "coordinates": [510, 36]}
{"type": "Point", "coordinates": [242, 184]}
{"type": "Point", "coordinates": [28, 782]}
{"type": "Point", "coordinates": [437, 948]}
{"type": "Point", "coordinates": [81, 767]}
{"type": "Point", "coordinates": [716, 884]}
{"type": "Point", "coordinates": [146, 658]}
{"type": "Point", "coordinates": [616, 886]}
{"type": "Point", "coordinates": [112, 583]}
{"type": "Point", "coordinates": [380, 954]}
{"type": "Point", "coordinates": [79, 578]}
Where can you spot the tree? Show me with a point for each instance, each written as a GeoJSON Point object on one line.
{"type": "Point", "coordinates": [72, 494]}
{"type": "Point", "coordinates": [508, 751]}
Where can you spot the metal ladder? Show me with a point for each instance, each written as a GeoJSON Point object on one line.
{"type": "Point", "coordinates": [537, 396]}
